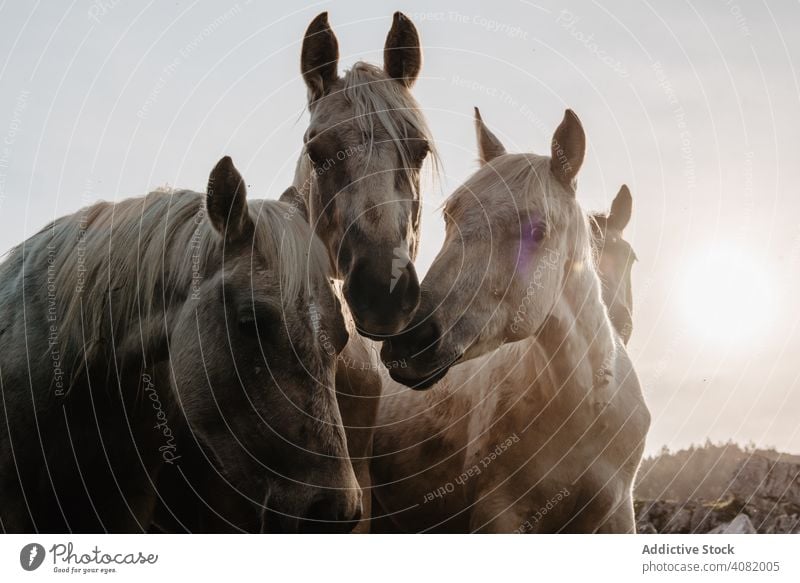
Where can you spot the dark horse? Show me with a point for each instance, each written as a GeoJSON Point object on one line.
{"type": "Point", "coordinates": [124, 322]}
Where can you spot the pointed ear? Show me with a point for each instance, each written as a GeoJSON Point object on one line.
{"type": "Point", "coordinates": [621, 209]}
{"type": "Point", "coordinates": [568, 149]}
{"type": "Point", "coordinates": [292, 197]}
{"type": "Point", "coordinates": [319, 57]}
{"type": "Point", "coordinates": [226, 201]}
{"type": "Point", "coordinates": [489, 146]}
{"type": "Point", "coordinates": [402, 55]}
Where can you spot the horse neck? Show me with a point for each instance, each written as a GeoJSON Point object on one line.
{"type": "Point", "coordinates": [576, 346]}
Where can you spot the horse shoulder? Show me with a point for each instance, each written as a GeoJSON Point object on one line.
{"type": "Point", "coordinates": [625, 421]}
{"type": "Point", "coordinates": [631, 407]}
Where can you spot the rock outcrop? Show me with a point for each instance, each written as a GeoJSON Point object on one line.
{"type": "Point", "coordinates": [763, 495]}
{"type": "Point", "coordinates": [739, 525]}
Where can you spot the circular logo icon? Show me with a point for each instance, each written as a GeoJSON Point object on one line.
{"type": "Point", "coordinates": [31, 556]}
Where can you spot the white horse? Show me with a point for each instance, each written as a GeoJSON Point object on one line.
{"type": "Point", "coordinates": [541, 426]}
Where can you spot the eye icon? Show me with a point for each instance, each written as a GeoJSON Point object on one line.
{"type": "Point", "coordinates": [31, 556]}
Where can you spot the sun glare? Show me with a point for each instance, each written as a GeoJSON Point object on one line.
{"type": "Point", "coordinates": [727, 297]}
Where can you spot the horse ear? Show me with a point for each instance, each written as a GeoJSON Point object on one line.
{"type": "Point", "coordinates": [292, 197]}
{"type": "Point", "coordinates": [402, 55]}
{"type": "Point", "coordinates": [319, 57]}
{"type": "Point", "coordinates": [489, 146]}
{"type": "Point", "coordinates": [568, 149]}
{"type": "Point", "coordinates": [226, 201]}
{"type": "Point", "coordinates": [621, 209]}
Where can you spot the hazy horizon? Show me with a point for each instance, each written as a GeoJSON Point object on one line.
{"type": "Point", "coordinates": [693, 105]}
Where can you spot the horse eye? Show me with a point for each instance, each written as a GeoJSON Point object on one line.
{"type": "Point", "coordinates": [538, 233]}
{"type": "Point", "coordinates": [256, 323]}
{"type": "Point", "coordinates": [422, 152]}
{"type": "Point", "coordinates": [248, 326]}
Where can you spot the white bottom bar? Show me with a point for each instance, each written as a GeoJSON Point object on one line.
{"type": "Point", "coordinates": [379, 558]}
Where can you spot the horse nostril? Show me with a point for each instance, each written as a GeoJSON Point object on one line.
{"type": "Point", "coordinates": [321, 509]}
{"type": "Point", "coordinates": [408, 287]}
{"type": "Point", "coordinates": [429, 335]}
{"type": "Point", "coordinates": [382, 295]}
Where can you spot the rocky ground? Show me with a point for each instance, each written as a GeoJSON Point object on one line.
{"type": "Point", "coordinates": [762, 495]}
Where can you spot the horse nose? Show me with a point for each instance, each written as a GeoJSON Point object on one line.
{"type": "Point", "coordinates": [428, 335]}
{"type": "Point", "coordinates": [406, 288]}
{"type": "Point", "coordinates": [332, 513]}
{"type": "Point", "coordinates": [416, 342]}
{"type": "Point", "coordinates": [383, 294]}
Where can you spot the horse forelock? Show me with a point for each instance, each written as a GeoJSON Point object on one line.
{"type": "Point", "coordinates": [374, 95]}
{"type": "Point", "coordinates": [378, 100]}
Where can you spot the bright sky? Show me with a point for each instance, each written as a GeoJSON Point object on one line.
{"type": "Point", "coordinates": [693, 104]}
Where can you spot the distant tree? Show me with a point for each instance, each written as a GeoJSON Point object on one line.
{"type": "Point", "coordinates": [697, 472]}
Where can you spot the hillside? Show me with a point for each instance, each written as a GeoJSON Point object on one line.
{"type": "Point", "coordinates": [719, 487]}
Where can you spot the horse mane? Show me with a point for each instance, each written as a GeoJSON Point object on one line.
{"type": "Point", "coordinates": [119, 271]}
{"type": "Point", "coordinates": [374, 95]}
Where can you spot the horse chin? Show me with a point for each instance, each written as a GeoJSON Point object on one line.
{"type": "Point", "coordinates": [378, 333]}
{"type": "Point", "coordinates": [421, 382]}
